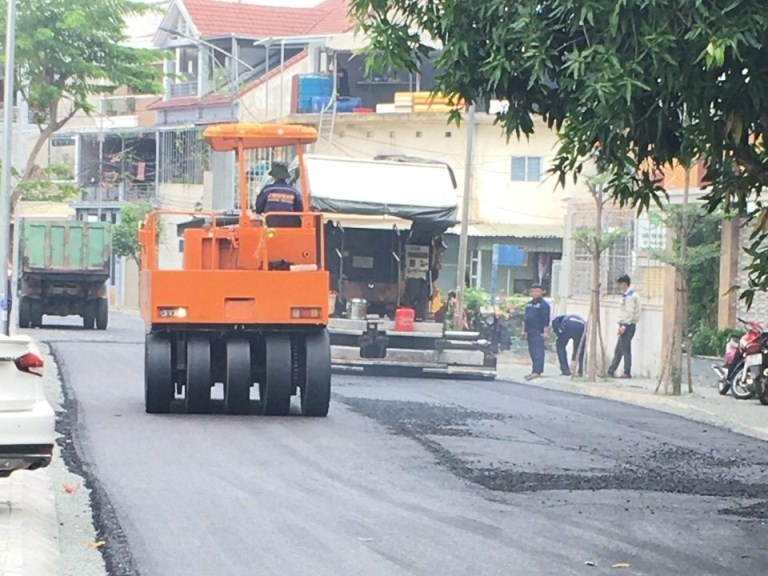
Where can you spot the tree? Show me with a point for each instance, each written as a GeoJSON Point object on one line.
{"type": "Point", "coordinates": [125, 235]}
{"type": "Point", "coordinates": [685, 256]}
{"type": "Point", "coordinates": [595, 241]}
{"type": "Point", "coordinates": [52, 183]}
{"type": "Point", "coordinates": [652, 81]}
{"type": "Point", "coordinates": [69, 51]}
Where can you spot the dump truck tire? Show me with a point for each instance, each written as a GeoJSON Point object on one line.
{"type": "Point", "coordinates": [24, 312]}
{"type": "Point", "coordinates": [36, 314]}
{"type": "Point", "coordinates": [89, 316]}
{"type": "Point", "coordinates": [102, 314]}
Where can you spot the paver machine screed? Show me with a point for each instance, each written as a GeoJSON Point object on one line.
{"type": "Point", "coordinates": [249, 305]}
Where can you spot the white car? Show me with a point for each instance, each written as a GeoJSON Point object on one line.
{"type": "Point", "coordinates": [27, 421]}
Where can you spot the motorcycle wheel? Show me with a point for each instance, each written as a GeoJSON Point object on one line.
{"type": "Point", "coordinates": [723, 386]}
{"type": "Point", "coordinates": [760, 390]}
{"type": "Point", "coordinates": [739, 388]}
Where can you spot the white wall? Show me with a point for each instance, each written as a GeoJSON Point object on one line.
{"type": "Point", "coordinates": [646, 345]}
{"type": "Point", "coordinates": [272, 98]}
{"type": "Point", "coordinates": [499, 199]}
{"type": "Point", "coordinates": [495, 198]}
{"type": "Point", "coordinates": [180, 197]}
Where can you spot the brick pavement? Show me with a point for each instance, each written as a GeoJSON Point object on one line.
{"type": "Point", "coordinates": [29, 534]}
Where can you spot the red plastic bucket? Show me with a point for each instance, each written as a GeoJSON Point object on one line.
{"type": "Point", "coordinates": [404, 318]}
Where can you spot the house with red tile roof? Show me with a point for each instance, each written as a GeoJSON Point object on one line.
{"type": "Point", "coordinates": [223, 49]}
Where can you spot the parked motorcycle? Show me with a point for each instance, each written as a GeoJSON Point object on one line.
{"type": "Point", "coordinates": [723, 370]}
{"type": "Point", "coordinates": [492, 330]}
{"type": "Point", "coordinates": [761, 376]}
{"type": "Point", "coordinates": [742, 365]}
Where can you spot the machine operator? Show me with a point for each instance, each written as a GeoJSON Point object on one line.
{"type": "Point", "coordinates": [280, 196]}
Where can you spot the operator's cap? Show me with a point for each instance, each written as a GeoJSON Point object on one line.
{"type": "Point", "coordinates": [279, 171]}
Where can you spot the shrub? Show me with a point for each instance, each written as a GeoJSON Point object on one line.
{"type": "Point", "coordinates": [708, 341]}
{"type": "Point", "coordinates": [474, 300]}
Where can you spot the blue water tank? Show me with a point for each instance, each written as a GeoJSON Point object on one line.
{"type": "Point", "coordinates": [319, 103]}
{"type": "Point", "coordinates": [311, 86]}
{"type": "Point", "coordinates": [348, 104]}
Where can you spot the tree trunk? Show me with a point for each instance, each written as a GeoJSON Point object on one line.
{"type": "Point", "coordinates": [594, 307]}
{"type": "Point", "coordinates": [676, 356]}
{"type": "Point", "coordinates": [603, 364]}
{"type": "Point", "coordinates": [594, 314]}
{"type": "Point", "coordinates": [687, 340]}
{"type": "Point", "coordinates": [54, 125]}
{"type": "Point", "coordinates": [681, 302]}
{"type": "Point", "coordinates": [580, 349]}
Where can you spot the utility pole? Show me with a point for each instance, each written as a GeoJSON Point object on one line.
{"type": "Point", "coordinates": [100, 185]}
{"type": "Point", "coordinates": [5, 193]}
{"type": "Point", "coordinates": [462, 264]}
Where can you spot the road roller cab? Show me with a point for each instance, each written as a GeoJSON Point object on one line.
{"type": "Point", "coordinates": [249, 305]}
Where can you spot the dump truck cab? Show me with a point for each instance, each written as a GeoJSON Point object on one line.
{"type": "Point", "coordinates": [249, 306]}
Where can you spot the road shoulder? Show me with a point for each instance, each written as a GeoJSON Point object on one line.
{"type": "Point", "coordinates": [704, 405]}
{"type": "Point", "coordinates": [46, 525]}
{"type": "Point", "coordinates": [29, 543]}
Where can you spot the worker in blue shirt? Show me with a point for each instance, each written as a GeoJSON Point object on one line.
{"type": "Point", "coordinates": [535, 329]}
{"type": "Point", "coordinates": [569, 328]}
{"type": "Point", "coordinates": [280, 196]}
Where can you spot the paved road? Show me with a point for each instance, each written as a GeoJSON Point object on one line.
{"type": "Point", "coordinates": [416, 477]}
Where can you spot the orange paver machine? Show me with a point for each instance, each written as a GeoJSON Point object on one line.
{"type": "Point", "coordinates": [249, 304]}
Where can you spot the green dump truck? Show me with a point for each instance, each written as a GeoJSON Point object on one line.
{"type": "Point", "coordinates": [64, 268]}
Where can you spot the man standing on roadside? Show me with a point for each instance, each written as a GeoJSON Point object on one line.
{"type": "Point", "coordinates": [569, 328]}
{"type": "Point", "coordinates": [535, 327]}
{"type": "Point", "coordinates": [628, 319]}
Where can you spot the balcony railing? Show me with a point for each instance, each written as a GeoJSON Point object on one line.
{"type": "Point", "coordinates": [141, 193]}
{"type": "Point", "coordinates": [15, 113]}
{"type": "Point", "coordinates": [182, 89]}
{"type": "Point", "coordinates": [118, 106]}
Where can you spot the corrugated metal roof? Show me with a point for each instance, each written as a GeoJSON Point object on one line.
{"type": "Point", "coordinates": [505, 230]}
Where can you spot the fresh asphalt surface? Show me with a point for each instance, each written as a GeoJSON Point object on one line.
{"type": "Point", "coordinates": [407, 476]}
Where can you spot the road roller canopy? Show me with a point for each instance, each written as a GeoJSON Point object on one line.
{"type": "Point", "coordinates": [225, 137]}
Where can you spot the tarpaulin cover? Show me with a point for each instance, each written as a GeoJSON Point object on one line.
{"type": "Point", "coordinates": [420, 192]}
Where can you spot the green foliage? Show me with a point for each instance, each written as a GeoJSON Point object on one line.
{"type": "Point", "coordinates": [474, 300]}
{"type": "Point", "coordinates": [709, 341]}
{"type": "Point", "coordinates": [53, 183]}
{"type": "Point", "coordinates": [703, 286]}
{"type": "Point", "coordinates": [652, 81]}
{"type": "Point", "coordinates": [73, 49]}
{"type": "Point", "coordinates": [511, 312]}
{"type": "Point", "coordinates": [68, 51]}
{"type": "Point", "coordinates": [701, 262]}
{"type": "Point", "coordinates": [125, 235]}
{"type": "Point", "coordinates": [702, 233]}
{"type": "Point", "coordinates": [587, 238]}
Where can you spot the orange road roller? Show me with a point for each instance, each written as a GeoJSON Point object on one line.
{"type": "Point", "coordinates": [249, 305]}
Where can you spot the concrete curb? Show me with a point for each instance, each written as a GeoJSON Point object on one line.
{"type": "Point", "coordinates": [29, 531]}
